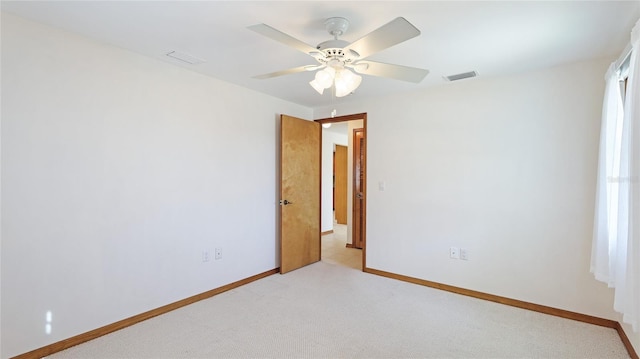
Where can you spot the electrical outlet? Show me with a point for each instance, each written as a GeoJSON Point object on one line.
{"type": "Point", "coordinates": [206, 256]}
{"type": "Point", "coordinates": [48, 326]}
{"type": "Point", "coordinates": [454, 253]}
{"type": "Point", "coordinates": [464, 254]}
{"type": "Point", "coordinates": [218, 254]}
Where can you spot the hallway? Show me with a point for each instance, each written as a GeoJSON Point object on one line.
{"type": "Point", "coordinates": [335, 251]}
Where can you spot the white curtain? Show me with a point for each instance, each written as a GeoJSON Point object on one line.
{"type": "Point", "coordinates": [604, 244]}
{"type": "Point", "coordinates": [615, 257]}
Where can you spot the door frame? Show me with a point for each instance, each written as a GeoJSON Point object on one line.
{"type": "Point", "coordinates": [359, 161]}
{"type": "Point", "coordinates": [363, 117]}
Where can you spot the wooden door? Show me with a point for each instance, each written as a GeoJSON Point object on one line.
{"type": "Point", "coordinates": [358, 188]}
{"type": "Point", "coordinates": [300, 145]}
{"type": "Point", "coordinates": [340, 186]}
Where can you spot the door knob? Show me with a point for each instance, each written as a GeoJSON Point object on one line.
{"type": "Point", "coordinates": [284, 202]}
{"type": "Point", "coordinates": [359, 195]}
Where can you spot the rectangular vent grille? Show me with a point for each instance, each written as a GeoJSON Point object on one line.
{"type": "Point", "coordinates": [185, 58]}
{"type": "Point", "coordinates": [464, 75]}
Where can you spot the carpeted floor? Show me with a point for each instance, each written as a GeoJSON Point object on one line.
{"type": "Point", "coordinates": [330, 310]}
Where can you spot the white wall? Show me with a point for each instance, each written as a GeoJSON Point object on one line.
{"type": "Point", "coordinates": [118, 171]}
{"type": "Point", "coordinates": [329, 139]}
{"type": "Point", "coordinates": [504, 167]}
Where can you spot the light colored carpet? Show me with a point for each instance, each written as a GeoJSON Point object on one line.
{"type": "Point", "coordinates": [329, 310]}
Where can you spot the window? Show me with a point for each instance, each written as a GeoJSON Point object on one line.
{"type": "Point", "coordinates": [615, 258]}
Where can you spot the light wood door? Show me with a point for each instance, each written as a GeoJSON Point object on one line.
{"type": "Point", "coordinates": [358, 188]}
{"type": "Point", "coordinates": [300, 145]}
{"type": "Point", "coordinates": [340, 183]}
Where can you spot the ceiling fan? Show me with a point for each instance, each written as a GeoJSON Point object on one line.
{"type": "Point", "coordinates": [336, 58]}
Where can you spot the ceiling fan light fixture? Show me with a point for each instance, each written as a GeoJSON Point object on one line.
{"type": "Point", "coordinates": [346, 82]}
{"type": "Point", "coordinates": [316, 86]}
{"type": "Point", "coordinates": [325, 77]}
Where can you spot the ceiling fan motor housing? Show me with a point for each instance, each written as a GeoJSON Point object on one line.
{"type": "Point", "coordinates": [333, 50]}
{"type": "Point", "coordinates": [332, 44]}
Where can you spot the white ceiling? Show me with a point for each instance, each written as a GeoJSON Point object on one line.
{"type": "Point", "coordinates": [492, 38]}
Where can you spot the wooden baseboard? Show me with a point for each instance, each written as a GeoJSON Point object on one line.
{"type": "Point", "coordinates": [327, 232]}
{"type": "Point", "coordinates": [110, 328]}
{"type": "Point", "coordinates": [515, 303]}
{"type": "Point", "coordinates": [626, 341]}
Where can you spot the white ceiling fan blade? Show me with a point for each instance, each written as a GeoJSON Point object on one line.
{"type": "Point", "coordinates": [289, 71]}
{"type": "Point", "coordinates": [283, 38]}
{"type": "Point", "coordinates": [393, 33]}
{"type": "Point", "coordinates": [398, 72]}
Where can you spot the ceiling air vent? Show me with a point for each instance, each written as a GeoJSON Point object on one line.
{"type": "Point", "coordinates": [464, 75]}
{"type": "Point", "coordinates": [185, 57]}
